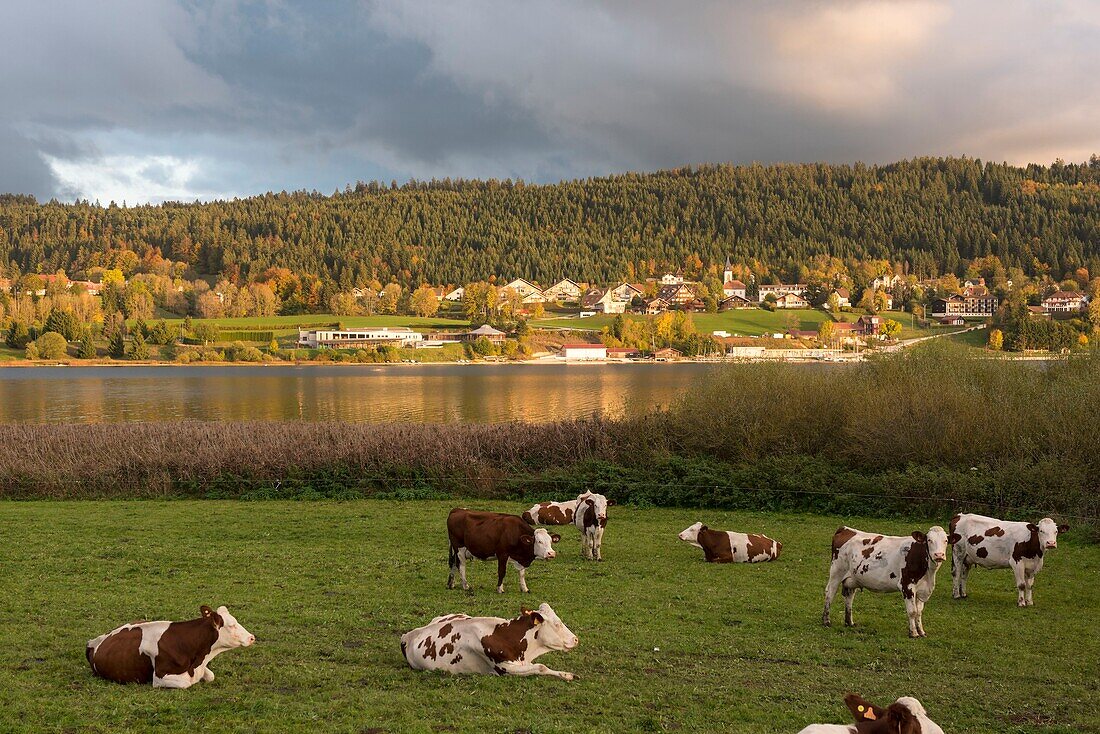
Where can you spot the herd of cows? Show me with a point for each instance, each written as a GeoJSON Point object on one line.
{"type": "Point", "coordinates": [178, 654]}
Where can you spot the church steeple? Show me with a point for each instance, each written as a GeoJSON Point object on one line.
{"type": "Point", "coordinates": [727, 275]}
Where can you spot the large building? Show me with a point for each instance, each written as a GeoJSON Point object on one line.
{"type": "Point", "coordinates": [351, 338]}
{"type": "Point", "coordinates": [1064, 302]}
{"type": "Point", "coordinates": [974, 302]}
{"type": "Point", "coordinates": [782, 289]}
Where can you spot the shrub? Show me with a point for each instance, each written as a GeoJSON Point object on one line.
{"type": "Point", "coordinates": [51, 345]}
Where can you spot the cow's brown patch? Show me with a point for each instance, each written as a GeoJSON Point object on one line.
{"type": "Point", "coordinates": [446, 649]}
{"type": "Point", "coordinates": [184, 645]}
{"type": "Point", "coordinates": [758, 545]}
{"type": "Point", "coordinates": [589, 520]}
{"type": "Point", "coordinates": [862, 709]}
{"type": "Point", "coordinates": [840, 537]}
{"type": "Point", "coordinates": [428, 646]}
{"type": "Point", "coordinates": [118, 658]}
{"type": "Point", "coordinates": [896, 719]}
{"type": "Point", "coordinates": [982, 553]}
{"type": "Point", "coordinates": [506, 642]}
{"type": "Point", "coordinates": [1030, 548]}
{"type": "Point", "coordinates": [716, 545]}
{"type": "Point", "coordinates": [445, 630]}
{"type": "Point", "coordinates": [994, 531]}
{"type": "Point", "coordinates": [975, 539]}
{"type": "Point", "coordinates": [456, 659]}
{"type": "Point", "coordinates": [916, 564]}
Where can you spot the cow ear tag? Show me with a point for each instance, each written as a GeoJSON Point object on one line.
{"type": "Point", "coordinates": [866, 712]}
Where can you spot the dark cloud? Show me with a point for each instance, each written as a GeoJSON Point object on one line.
{"type": "Point", "coordinates": [194, 97]}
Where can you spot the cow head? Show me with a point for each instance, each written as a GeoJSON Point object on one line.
{"type": "Point", "coordinates": [1048, 533]}
{"type": "Point", "coordinates": [691, 534]}
{"type": "Point", "coordinates": [543, 543]}
{"type": "Point", "coordinates": [937, 543]}
{"type": "Point", "coordinates": [904, 716]}
{"type": "Point", "coordinates": [552, 632]}
{"type": "Point", "coordinates": [230, 631]}
{"type": "Point", "coordinates": [598, 503]}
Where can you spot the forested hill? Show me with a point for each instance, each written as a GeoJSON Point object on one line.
{"type": "Point", "coordinates": [932, 214]}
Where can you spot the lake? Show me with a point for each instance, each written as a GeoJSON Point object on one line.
{"type": "Point", "coordinates": [482, 393]}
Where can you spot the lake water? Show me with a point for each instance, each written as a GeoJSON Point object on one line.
{"type": "Point", "coordinates": [417, 393]}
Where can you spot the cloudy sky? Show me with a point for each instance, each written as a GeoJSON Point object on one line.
{"type": "Point", "coordinates": [152, 100]}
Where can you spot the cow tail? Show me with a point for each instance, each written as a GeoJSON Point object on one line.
{"type": "Point", "coordinates": [453, 556]}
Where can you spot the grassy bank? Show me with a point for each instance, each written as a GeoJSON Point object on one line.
{"type": "Point", "coordinates": [667, 642]}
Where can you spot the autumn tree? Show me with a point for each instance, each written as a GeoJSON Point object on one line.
{"type": "Point", "coordinates": [424, 301]}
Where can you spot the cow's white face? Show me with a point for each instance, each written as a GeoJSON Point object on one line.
{"type": "Point", "coordinates": [599, 504]}
{"type": "Point", "coordinates": [232, 634]}
{"type": "Point", "coordinates": [691, 534]}
{"type": "Point", "coordinates": [1048, 534]}
{"type": "Point", "coordinates": [552, 631]}
{"type": "Point", "coordinates": [544, 543]}
{"type": "Point", "coordinates": [937, 543]}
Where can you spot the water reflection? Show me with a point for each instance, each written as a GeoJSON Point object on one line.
{"type": "Point", "coordinates": [412, 393]}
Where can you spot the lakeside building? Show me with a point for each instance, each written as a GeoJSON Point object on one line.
{"type": "Point", "coordinates": [584, 352]}
{"type": "Point", "coordinates": [974, 302]}
{"type": "Point", "coordinates": [782, 289]}
{"type": "Point", "coordinates": [350, 338]}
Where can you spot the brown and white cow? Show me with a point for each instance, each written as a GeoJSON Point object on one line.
{"type": "Point", "coordinates": [456, 643]}
{"type": "Point", "coordinates": [904, 716]}
{"type": "Point", "coordinates": [886, 563]}
{"type": "Point", "coordinates": [551, 513]}
{"type": "Point", "coordinates": [990, 543]}
{"type": "Point", "coordinates": [485, 535]}
{"type": "Point", "coordinates": [591, 520]}
{"type": "Point", "coordinates": [167, 654]}
{"type": "Point", "coordinates": [722, 546]}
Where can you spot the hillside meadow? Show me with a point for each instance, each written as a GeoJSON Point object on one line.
{"type": "Point", "coordinates": [668, 642]}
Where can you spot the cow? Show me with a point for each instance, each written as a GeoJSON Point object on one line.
{"type": "Point", "coordinates": [485, 535]}
{"type": "Point", "coordinates": [456, 643]}
{"type": "Point", "coordinates": [977, 540]}
{"type": "Point", "coordinates": [167, 654]}
{"type": "Point", "coordinates": [722, 546]}
{"type": "Point", "coordinates": [551, 513]}
{"type": "Point", "coordinates": [591, 519]}
{"type": "Point", "coordinates": [886, 563]}
{"type": "Point", "coordinates": [904, 716]}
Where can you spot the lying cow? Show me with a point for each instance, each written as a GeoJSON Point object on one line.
{"type": "Point", "coordinates": [591, 519]}
{"type": "Point", "coordinates": [167, 654]}
{"type": "Point", "coordinates": [457, 643]}
{"type": "Point", "coordinates": [904, 716]}
{"type": "Point", "coordinates": [722, 546]}
{"type": "Point", "coordinates": [886, 563]}
{"type": "Point", "coordinates": [485, 535]}
{"type": "Point", "coordinates": [551, 513]}
{"type": "Point", "coordinates": [991, 543]}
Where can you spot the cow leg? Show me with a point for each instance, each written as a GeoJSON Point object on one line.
{"type": "Point", "coordinates": [911, 612]}
{"type": "Point", "coordinates": [586, 545]}
{"type": "Point", "coordinates": [453, 563]}
{"type": "Point", "coordinates": [849, 594]}
{"type": "Point", "coordinates": [920, 616]}
{"type": "Point", "coordinates": [836, 576]}
{"type": "Point", "coordinates": [518, 668]}
{"type": "Point", "coordinates": [598, 544]}
{"type": "Point", "coordinates": [461, 553]}
{"type": "Point", "coordinates": [207, 675]}
{"type": "Point", "coordinates": [522, 572]}
{"type": "Point", "coordinates": [959, 571]}
{"type": "Point", "coordinates": [182, 680]}
{"type": "Point", "coordinates": [1021, 584]}
{"type": "Point", "coordinates": [502, 568]}
{"type": "Point", "coordinates": [1030, 582]}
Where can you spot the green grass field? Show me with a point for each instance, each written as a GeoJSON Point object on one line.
{"type": "Point", "coordinates": [667, 641]}
{"type": "Point", "coordinates": [290, 324]}
{"type": "Point", "coordinates": [747, 322]}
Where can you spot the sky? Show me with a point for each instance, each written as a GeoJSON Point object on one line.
{"type": "Point", "coordinates": [151, 100]}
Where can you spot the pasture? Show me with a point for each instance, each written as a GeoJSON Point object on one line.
{"type": "Point", "coordinates": [668, 643]}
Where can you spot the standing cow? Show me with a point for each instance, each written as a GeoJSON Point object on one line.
{"type": "Point", "coordinates": [886, 563]}
{"type": "Point", "coordinates": [722, 546]}
{"type": "Point", "coordinates": [456, 643]}
{"type": "Point", "coordinates": [167, 654]}
{"type": "Point", "coordinates": [591, 519]}
{"type": "Point", "coordinates": [485, 535]}
{"type": "Point", "coordinates": [990, 543]}
{"type": "Point", "coordinates": [904, 716]}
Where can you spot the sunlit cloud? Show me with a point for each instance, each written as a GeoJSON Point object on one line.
{"type": "Point", "coordinates": [132, 179]}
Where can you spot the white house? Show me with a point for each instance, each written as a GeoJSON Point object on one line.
{"type": "Point", "coordinates": [781, 289]}
{"type": "Point", "coordinates": [528, 291]}
{"type": "Point", "coordinates": [584, 352]}
{"type": "Point", "coordinates": [672, 279]}
{"type": "Point", "coordinates": [843, 297]}
{"type": "Point", "coordinates": [564, 290]}
{"type": "Point", "coordinates": [886, 281]}
{"type": "Point", "coordinates": [1064, 302]}
{"type": "Point", "coordinates": [732, 287]}
{"type": "Point", "coordinates": [791, 300]}
{"type": "Point", "coordinates": [455, 295]}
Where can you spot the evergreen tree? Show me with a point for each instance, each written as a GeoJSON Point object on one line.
{"type": "Point", "coordinates": [139, 350]}
{"type": "Point", "coordinates": [18, 335]}
{"type": "Point", "coordinates": [87, 346]}
{"type": "Point", "coordinates": [117, 347]}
